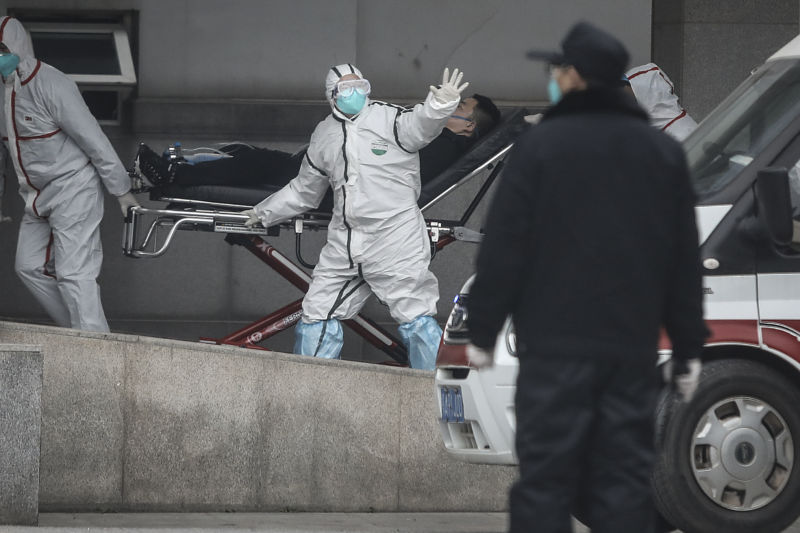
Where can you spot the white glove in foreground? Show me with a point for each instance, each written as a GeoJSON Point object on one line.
{"type": "Point", "coordinates": [449, 91]}
{"type": "Point", "coordinates": [125, 201]}
{"type": "Point", "coordinates": [253, 220]}
{"type": "Point", "coordinates": [684, 376]}
{"type": "Point", "coordinates": [478, 357]}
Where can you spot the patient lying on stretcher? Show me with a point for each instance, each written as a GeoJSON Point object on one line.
{"type": "Point", "coordinates": [243, 165]}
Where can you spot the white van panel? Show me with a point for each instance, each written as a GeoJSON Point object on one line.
{"type": "Point", "coordinates": [778, 296]}
{"type": "Point", "coordinates": [730, 298]}
{"type": "Point", "coordinates": [708, 216]}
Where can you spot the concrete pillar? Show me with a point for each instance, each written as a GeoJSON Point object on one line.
{"type": "Point", "coordinates": [20, 428]}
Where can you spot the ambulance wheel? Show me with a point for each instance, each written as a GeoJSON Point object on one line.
{"type": "Point", "coordinates": [730, 459]}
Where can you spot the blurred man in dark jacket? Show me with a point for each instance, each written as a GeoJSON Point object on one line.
{"type": "Point", "coordinates": [591, 246]}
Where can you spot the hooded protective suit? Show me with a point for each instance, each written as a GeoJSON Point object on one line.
{"type": "Point", "coordinates": [377, 238]}
{"type": "Point", "coordinates": [656, 94]}
{"type": "Point", "coordinates": [61, 156]}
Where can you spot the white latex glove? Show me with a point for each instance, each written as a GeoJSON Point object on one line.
{"type": "Point", "coordinates": [684, 377]}
{"type": "Point", "coordinates": [449, 91]}
{"type": "Point", "coordinates": [533, 119]}
{"type": "Point", "coordinates": [127, 200]}
{"type": "Point", "coordinates": [478, 357]}
{"type": "Point", "coordinates": [253, 220]}
{"type": "Point", "coordinates": [4, 218]}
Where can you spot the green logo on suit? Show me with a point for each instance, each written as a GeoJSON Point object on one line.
{"type": "Point", "coordinates": [379, 147]}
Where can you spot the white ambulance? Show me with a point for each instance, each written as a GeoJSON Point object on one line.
{"type": "Point", "coordinates": [729, 460]}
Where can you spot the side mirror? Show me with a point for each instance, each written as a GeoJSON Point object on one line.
{"type": "Point", "coordinates": [774, 204]}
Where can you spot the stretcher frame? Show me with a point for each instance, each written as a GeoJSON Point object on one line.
{"type": "Point", "coordinates": [141, 240]}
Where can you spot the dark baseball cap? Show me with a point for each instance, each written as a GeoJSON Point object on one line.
{"type": "Point", "coordinates": [597, 55]}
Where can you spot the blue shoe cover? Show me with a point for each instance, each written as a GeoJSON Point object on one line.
{"type": "Point", "coordinates": [320, 339]}
{"type": "Point", "coordinates": [421, 337]}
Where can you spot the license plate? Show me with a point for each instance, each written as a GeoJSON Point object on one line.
{"type": "Point", "coordinates": [452, 404]}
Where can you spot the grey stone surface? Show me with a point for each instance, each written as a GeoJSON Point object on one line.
{"type": "Point", "coordinates": [82, 422]}
{"type": "Point", "coordinates": [668, 12]}
{"type": "Point", "coordinates": [711, 72]}
{"type": "Point", "coordinates": [192, 431]}
{"type": "Point", "coordinates": [741, 11]}
{"type": "Point", "coordinates": [140, 424]}
{"type": "Point", "coordinates": [20, 429]}
{"type": "Point", "coordinates": [267, 90]}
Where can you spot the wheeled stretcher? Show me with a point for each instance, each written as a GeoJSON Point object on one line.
{"type": "Point", "coordinates": [149, 232]}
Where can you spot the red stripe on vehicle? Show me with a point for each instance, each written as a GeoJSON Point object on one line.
{"type": "Point", "coordinates": [47, 257]}
{"type": "Point", "coordinates": [3, 27]}
{"type": "Point", "coordinates": [671, 122]}
{"type": "Point", "coordinates": [452, 355]}
{"type": "Point", "coordinates": [723, 331]}
{"type": "Point", "coordinates": [19, 154]}
{"type": "Point", "coordinates": [783, 341]}
{"type": "Point", "coordinates": [782, 335]}
{"type": "Point", "coordinates": [35, 70]}
{"type": "Point", "coordinates": [651, 69]}
{"type": "Point", "coordinates": [42, 136]}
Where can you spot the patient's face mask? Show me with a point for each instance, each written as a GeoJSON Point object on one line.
{"type": "Point", "coordinates": [351, 95]}
{"type": "Point", "coordinates": [8, 62]}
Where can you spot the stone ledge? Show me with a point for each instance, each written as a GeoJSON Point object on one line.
{"type": "Point", "coordinates": [20, 431]}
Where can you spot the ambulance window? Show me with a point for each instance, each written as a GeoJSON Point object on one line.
{"type": "Point", "coordinates": [746, 122]}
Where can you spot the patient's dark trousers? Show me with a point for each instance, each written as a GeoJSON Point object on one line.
{"type": "Point", "coordinates": [585, 442]}
{"type": "Point", "coordinates": [247, 167]}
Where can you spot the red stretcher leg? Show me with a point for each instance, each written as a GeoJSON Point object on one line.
{"type": "Point", "coordinates": [287, 316]}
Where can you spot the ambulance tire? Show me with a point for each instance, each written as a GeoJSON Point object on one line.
{"type": "Point", "coordinates": [747, 451]}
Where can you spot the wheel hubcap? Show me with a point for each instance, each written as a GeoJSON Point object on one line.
{"type": "Point", "coordinates": [742, 453]}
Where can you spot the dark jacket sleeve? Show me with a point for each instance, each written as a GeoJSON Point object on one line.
{"type": "Point", "coordinates": [441, 153]}
{"type": "Point", "coordinates": [683, 301]}
{"type": "Point", "coordinates": [503, 254]}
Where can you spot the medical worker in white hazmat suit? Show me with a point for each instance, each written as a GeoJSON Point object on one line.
{"type": "Point", "coordinates": [366, 151]}
{"type": "Point", "coordinates": [655, 92]}
{"type": "Point", "coordinates": [61, 157]}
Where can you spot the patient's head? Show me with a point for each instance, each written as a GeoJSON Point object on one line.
{"type": "Point", "coordinates": [474, 116]}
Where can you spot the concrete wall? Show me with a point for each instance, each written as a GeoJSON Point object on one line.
{"type": "Point", "coordinates": [20, 431]}
{"type": "Point", "coordinates": [708, 47]}
{"type": "Point", "coordinates": [215, 71]}
{"type": "Point", "coordinates": [138, 424]}
{"type": "Point", "coordinates": [251, 70]}
{"type": "Point", "coordinates": [283, 48]}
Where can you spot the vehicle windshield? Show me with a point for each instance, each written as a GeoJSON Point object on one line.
{"type": "Point", "coordinates": [744, 123]}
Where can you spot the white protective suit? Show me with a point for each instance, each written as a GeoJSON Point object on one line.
{"type": "Point", "coordinates": [61, 157]}
{"type": "Point", "coordinates": [655, 92]}
{"type": "Point", "coordinates": [377, 238]}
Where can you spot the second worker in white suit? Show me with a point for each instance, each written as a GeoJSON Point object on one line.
{"type": "Point", "coordinates": [62, 159]}
{"type": "Point", "coordinates": [366, 151]}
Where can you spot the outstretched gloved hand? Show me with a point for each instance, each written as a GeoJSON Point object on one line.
{"type": "Point", "coordinates": [683, 376]}
{"type": "Point", "coordinates": [127, 200]}
{"type": "Point", "coordinates": [449, 91]}
{"type": "Point", "coordinates": [479, 357]}
{"type": "Point", "coordinates": [253, 218]}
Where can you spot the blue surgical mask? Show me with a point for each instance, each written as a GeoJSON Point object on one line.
{"type": "Point", "coordinates": [352, 103]}
{"type": "Point", "coordinates": [553, 91]}
{"type": "Point", "coordinates": [8, 62]}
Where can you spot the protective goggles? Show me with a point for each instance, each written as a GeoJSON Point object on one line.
{"type": "Point", "coordinates": [348, 87]}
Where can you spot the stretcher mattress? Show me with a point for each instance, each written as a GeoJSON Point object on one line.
{"type": "Point", "coordinates": [501, 136]}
